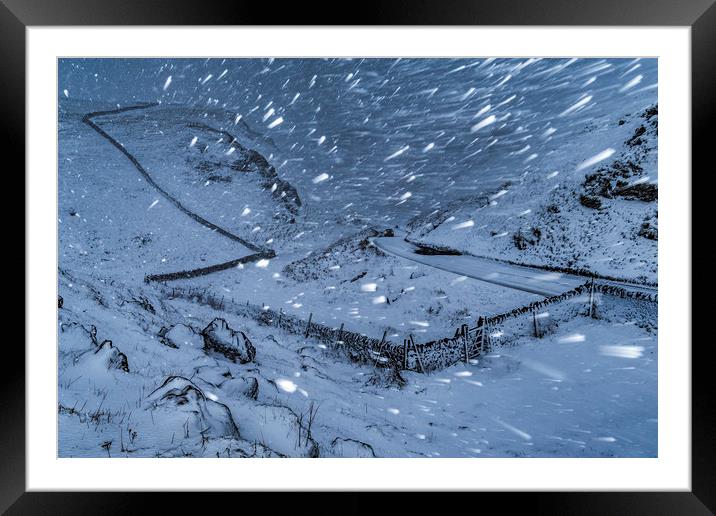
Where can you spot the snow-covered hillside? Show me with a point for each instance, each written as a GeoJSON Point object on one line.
{"type": "Point", "coordinates": [598, 214]}
{"type": "Point", "coordinates": [300, 164]}
{"type": "Point", "coordinates": [588, 390]}
{"type": "Point", "coordinates": [379, 141]}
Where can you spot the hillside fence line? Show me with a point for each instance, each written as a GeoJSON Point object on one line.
{"type": "Point", "coordinates": [607, 302]}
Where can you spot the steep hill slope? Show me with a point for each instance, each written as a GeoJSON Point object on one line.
{"type": "Point", "coordinates": [593, 210]}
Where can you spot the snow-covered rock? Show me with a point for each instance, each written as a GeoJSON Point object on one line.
{"type": "Point", "coordinates": [344, 447]}
{"type": "Point", "coordinates": [219, 382]}
{"type": "Point", "coordinates": [212, 375]}
{"type": "Point", "coordinates": [104, 357]}
{"type": "Point", "coordinates": [247, 386]}
{"type": "Point", "coordinates": [275, 426]}
{"type": "Point", "coordinates": [75, 337]}
{"type": "Point", "coordinates": [181, 409]}
{"type": "Point", "coordinates": [234, 345]}
{"type": "Point", "coordinates": [224, 447]}
{"type": "Point", "coordinates": [181, 336]}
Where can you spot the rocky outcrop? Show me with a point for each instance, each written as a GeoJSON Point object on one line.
{"type": "Point", "coordinates": [345, 447]}
{"type": "Point", "coordinates": [105, 357]}
{"type": "Point", "coordinates": [245, 386]}
{"type": "Point", "coordinates": [184, 410]}
{"type": "Point", "coordinates": [234, 345]}
{"type": "Point", "coordinates": [277, 427]}
{"type": "Point", "coordinates": [181, 336]}
{"type": "Point", "coordinates": [75, 337]}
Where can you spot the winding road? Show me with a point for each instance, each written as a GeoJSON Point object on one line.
{"type": "Point", "coordinates": [527, 279]}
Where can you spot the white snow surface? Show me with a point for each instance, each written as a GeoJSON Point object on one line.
{"type": "Point", "coordinates": [555, 396]}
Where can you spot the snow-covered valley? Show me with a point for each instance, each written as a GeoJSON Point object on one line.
{"type": "Point", "coordinates": [313, 161]}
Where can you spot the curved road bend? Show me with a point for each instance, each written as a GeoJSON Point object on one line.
{"type": "Point", "coordinates": [532, 280]}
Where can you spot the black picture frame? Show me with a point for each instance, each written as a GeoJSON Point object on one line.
{"type": "Point", "coordinates": [700, 15]}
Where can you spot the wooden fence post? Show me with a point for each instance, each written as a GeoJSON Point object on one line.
{"type": "Point", "coordinates": [405, 354]}
{"type": "Point", "coordinates": [380, 348]}
{"type": "Point", "coordinates": [591, 298]}
{"type": "Point", "coordinates": [487, 341]}
{"type": "Point", "coordinates": [534, 320]}
{"type": "Point", "coordinates": [340, 335]}
{"type": "Point", "coordinates": [480, 334]}
{"type": "Point", "coordinates": [308, 324]}
{"type": "Point", "coordinates": [417, 355]}
{"type": "Point", "coordinates": [280, 314]}
{"type": "Point", "coordinates": [465, 338]}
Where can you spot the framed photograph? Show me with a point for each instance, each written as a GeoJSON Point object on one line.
{"type": "Point", "coordinates": [437, 247]}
